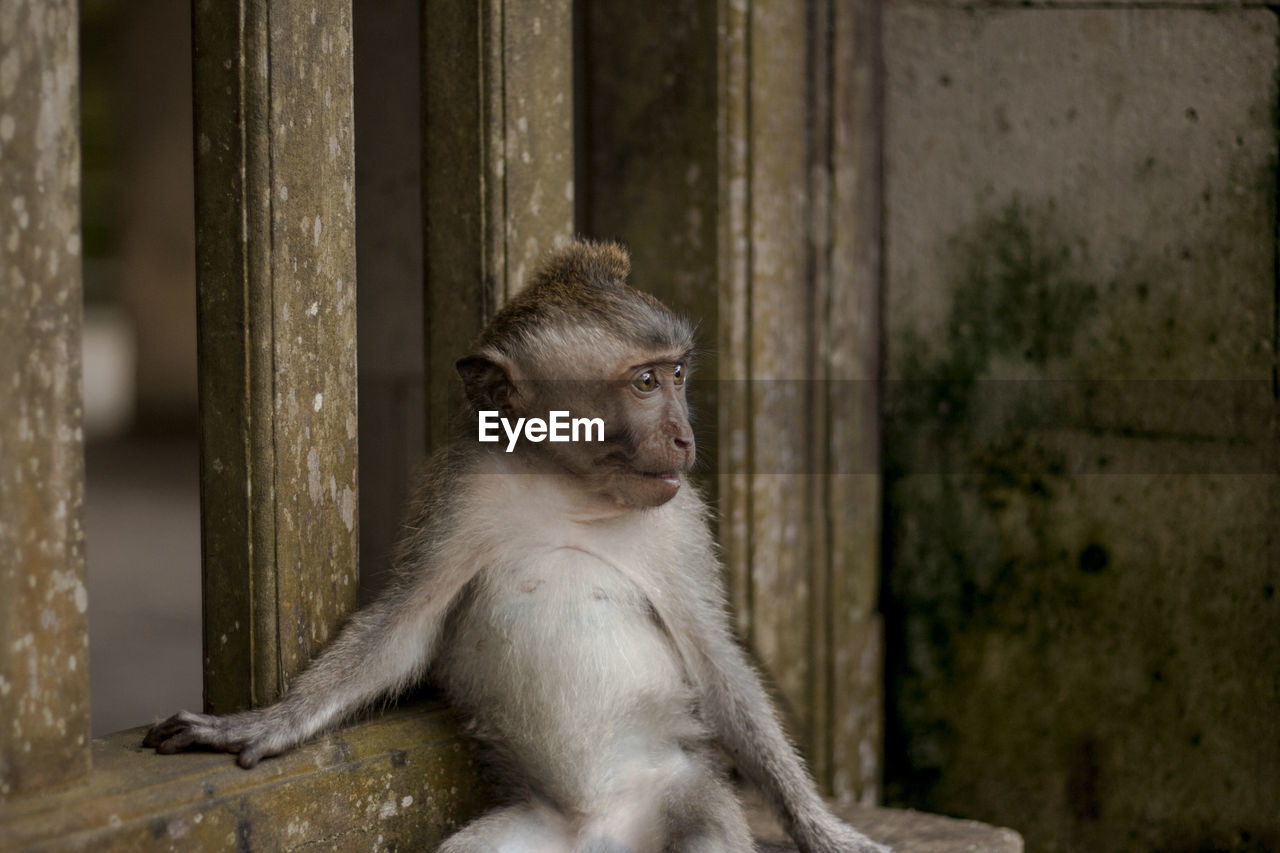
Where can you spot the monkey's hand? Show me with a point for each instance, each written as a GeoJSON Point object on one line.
{"type": "Point", "coordinates": [251, 735]}
{"type": "Point", "coordinates": [827, 834]}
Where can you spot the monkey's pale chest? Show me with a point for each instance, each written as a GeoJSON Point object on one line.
{"type": "Point", "coordinates": [563, 607]}
{"type": "Point", "coordinates": [562, 651]}
{"type": "Point", "coordinates": [561, 589]}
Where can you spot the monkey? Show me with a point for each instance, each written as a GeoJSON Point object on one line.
{"type": "Point", "coordinates": [568, 598]}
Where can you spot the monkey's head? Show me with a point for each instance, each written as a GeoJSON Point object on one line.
{"type": "Point", "coordinates": [577, 339]}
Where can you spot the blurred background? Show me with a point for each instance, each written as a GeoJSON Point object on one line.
{"type": "Point", "coordinates": [142, 502]}
{"type": "Point", "coordinates": [1080, 547]}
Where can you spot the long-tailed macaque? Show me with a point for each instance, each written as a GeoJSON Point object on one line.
{"type": "Point", "coordinates": [567, 596]}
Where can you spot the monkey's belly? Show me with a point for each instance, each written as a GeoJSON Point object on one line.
{"type": "Point", "coordinates": [565, 669]}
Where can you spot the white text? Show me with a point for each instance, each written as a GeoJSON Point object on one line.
{"type": "Point", "coordinates": [560, 427]}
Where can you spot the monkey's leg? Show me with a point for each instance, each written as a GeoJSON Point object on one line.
{"type": "Point", "coordinates": [521, 828]}
{"type": "Point", "coordinates": [739, 713]}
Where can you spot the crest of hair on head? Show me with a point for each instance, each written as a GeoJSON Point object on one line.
{"type": "Point", "coordinates": [579, 295]}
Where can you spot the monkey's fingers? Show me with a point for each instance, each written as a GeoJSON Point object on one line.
{"type": "Point", "coordinates": [153, 737]}
{"type": "Point", "coordinates": [177, 742]}
{"type": "Point", "coordinates": [163, 731]}
{"type": "Point", "coordinates": [181, 731]}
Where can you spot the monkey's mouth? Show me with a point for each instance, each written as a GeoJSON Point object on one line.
{"type": "Point", "coordinates": [670, 477]}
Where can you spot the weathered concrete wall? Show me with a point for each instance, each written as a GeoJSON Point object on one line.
{"type": "Point", "coordinates": [44, 641]}
{"type": "Point", "coordinates": [1082, 573]}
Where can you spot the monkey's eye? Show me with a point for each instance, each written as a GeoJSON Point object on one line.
{"type": "Point", "coordinates": [677, 374]}
{"type": "Point", "coordinates": [646, 381]}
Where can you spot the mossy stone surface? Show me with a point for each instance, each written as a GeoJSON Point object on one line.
{"type": "Point", "coordinates": [1080, 423]}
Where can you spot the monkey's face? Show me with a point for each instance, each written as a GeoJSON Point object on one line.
{"type": "Point", "coordinates": [657, 442]}
{"type": "Point", "coordinates": [648, 442]}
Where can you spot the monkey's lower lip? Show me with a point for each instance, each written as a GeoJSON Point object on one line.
{"type": "Point", "coordinates": [672, 477]}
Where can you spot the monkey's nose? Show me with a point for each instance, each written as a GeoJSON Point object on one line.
{"type": "Point", "coordinates": [684, 446]}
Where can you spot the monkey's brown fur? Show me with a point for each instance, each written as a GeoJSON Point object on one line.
{"type": "Point", "coordinates": [583, 287]}
{"type": "Point", "coordinates": [568, 598]}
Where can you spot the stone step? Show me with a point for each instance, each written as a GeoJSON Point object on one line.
{"type": "Point", "coordinates": [904, 830]}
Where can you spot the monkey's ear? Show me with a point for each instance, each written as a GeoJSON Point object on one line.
{"type": "Point", "coordinates": [488, 382]}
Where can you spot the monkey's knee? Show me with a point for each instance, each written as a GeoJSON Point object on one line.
{"type": "Point", "coordinates": [521, 828]}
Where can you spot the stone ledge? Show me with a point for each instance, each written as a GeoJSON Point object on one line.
{"type": "Point", "coordinates": [400, 780]}
{"type": "Point", "coordinates": [904, 830]}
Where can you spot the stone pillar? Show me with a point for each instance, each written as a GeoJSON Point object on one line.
{"type": "Point", "coordinates": [275, 200]}
{"type": "Point", "coordinates": [498, 168]}
{"type": "Point", "coordinates": [799, 337]}
{"type": "Point", "coordinates": [44, 648]}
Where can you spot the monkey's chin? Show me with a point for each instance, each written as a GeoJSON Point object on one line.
{"type": "Point", "coordinates": [647, 490]}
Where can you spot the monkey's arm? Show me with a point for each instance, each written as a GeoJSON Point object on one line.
{"type": "Point", "coordinates": [381, 650]}
{"type": "Point", "coordinates": [742, 718]}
